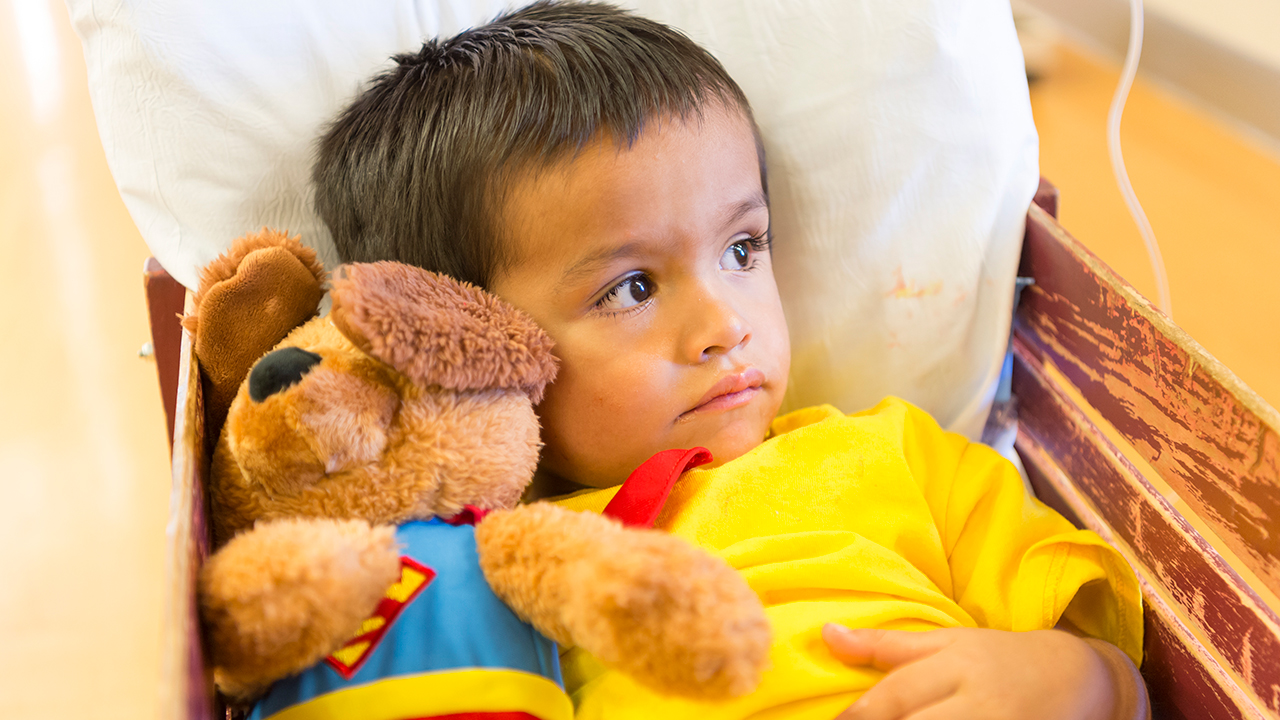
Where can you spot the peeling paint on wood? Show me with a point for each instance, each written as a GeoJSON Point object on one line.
{"type": "Point", "coordinates": [1184, 680]}
{"type": "Point", "coordinates": [1179, 685]}
{"type": "Point", "coordinates": [1167, 551]}
{"type": "Point", "coordinates": [1209, 436]}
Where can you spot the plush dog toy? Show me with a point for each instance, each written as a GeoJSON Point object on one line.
{"type": "Point", "coordinates": [357, 452]}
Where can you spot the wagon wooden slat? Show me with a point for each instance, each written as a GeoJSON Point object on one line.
{"type": "Point", "coordinates": [186, 683]}
{"type": "Point", "coordinates": [1210, 437]}
{"type": "Point", "coordinates": [1107, 494]}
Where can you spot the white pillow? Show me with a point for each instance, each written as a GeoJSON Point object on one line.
{"type": "Point", "coordinates": [902, 156]}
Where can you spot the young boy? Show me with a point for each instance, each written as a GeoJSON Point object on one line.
{"type": "Point", "coordinates": [604, 174]}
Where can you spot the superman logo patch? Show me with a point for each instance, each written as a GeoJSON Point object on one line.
{"type": "Point", "coordinates": [414, 577]}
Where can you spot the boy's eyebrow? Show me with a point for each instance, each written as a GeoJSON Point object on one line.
{"type": "Point", "coordinates": [587, 265]}
{"type": "Point", "coordinates": [745, 207]}
{"type": "Point", "coordinates": [604, 256]}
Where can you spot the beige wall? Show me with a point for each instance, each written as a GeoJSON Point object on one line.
{"type": "Point", "coordinates": [1250, 27]}
{"type": "Point", "coordinates": [1223, 53]}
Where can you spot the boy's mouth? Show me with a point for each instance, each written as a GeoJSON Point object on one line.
{"type": "Point", "coordinates": [730, 392]}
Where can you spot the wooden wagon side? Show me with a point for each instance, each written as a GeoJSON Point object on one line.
{"type": "Point", "coordinates": [186, 684]}
{"type": "Point", "coordinates": [1082, 336]}
{"type": "Point", "coordinates": [1085, 340]}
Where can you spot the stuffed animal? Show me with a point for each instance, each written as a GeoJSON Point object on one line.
{"type": "Point", "coordinates": [364, 490]}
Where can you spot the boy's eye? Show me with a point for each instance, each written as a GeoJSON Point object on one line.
{"type": "Point", "coordinates": [633, 290]}
{"type": "Point", "coordinates": [737, 256]}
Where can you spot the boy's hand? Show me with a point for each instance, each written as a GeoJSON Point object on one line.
{"type": "Point", "coordinates": [975, 673]}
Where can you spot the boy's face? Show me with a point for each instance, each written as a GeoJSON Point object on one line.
{"type": "Point", "coordinates": [649, 268]}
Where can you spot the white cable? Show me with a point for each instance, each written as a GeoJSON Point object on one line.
{"type": "Point", "coordinates": [1117, 156]}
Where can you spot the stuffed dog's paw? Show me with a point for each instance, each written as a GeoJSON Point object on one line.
{"type": "Point", "coordinates": [278, 598]}
{"type": "Point", "coordinates": [674, 617]}
{"type": "Point", "coordinates": [644, 602]}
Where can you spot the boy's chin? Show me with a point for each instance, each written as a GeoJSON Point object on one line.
{"type": "Point", "coordinates": [734, 441]}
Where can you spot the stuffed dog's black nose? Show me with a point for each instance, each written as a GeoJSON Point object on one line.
{"type": "Point", "coordinates": [278, 370]}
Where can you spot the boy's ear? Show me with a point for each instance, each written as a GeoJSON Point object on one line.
{"type": "Point", "coordinates": [438, 331]}
{"type": "Point", "coordinates": [250, 298]}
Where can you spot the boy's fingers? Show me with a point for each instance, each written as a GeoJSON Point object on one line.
{"type": "Point", "coordinates": [911, 689]}
{"type": "Point", "coordinates": [882, 649]}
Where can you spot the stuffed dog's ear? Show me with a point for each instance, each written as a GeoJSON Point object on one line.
{"type": "Point", "coordinates": [250, 298]}
{"type": "Point", "coordinates": [438, 331]}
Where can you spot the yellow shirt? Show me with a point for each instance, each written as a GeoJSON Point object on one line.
{"type": "Point", "coordinates": [874, 520]}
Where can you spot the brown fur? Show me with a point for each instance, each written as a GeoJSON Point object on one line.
{"type": "Point", "coordinates": [224, 266]}
{"type": "Point", "coordinates": [449, 450]}
{"type": "Point", "coordinates": [421, 404]}
{"type": "Point", "coordinates": [279, 599]}
{"type": "Point", "coordinates": [626, 593]}
{"type": "Point", "coordinates": [258, 291]}
{"type": "Point", "coordinates": [454, 334]}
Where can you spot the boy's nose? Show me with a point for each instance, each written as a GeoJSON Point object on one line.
{"type": "Point", "coordinates": [716, 328]}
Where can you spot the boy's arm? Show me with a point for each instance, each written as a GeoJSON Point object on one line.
{"type": "Point", "coordinates": [1011, 562]}
{"type": "Point", "coordinates": [968, 672]}
{"type": "Point", "coordinates": [1132, 700]}
{"type": "Point", "coordinates": [1013, 565]}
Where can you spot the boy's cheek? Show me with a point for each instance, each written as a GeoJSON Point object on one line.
{"type": "Point", "coordinates": [597, 427]}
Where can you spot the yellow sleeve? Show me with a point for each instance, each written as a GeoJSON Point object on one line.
{"type": "Point", "coordinates": [1015, 563]}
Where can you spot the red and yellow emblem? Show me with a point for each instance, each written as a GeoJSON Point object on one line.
{"type": "Point", "coordinates": [414, 576]}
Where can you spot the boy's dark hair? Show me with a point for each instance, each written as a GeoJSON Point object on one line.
{"type": "Point", "coordinates": [417, 168]}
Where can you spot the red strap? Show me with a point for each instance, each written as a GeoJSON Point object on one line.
{"type": "Point", "coordinates": [642, 496]}
{"type": "Point", "coordinates": [470, 515]}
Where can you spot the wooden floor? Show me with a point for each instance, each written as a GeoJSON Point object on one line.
{"type": "Point", "coordinates": [82, 449]}
{"type": "Point", "coordinates": [83, 456]}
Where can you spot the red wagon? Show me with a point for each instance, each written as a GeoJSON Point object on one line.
{"type": "Point", "coordinates": [1104, 384]}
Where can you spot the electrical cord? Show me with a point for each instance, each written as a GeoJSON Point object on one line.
{"type": "Point", "coordinates": [1117, 156]}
